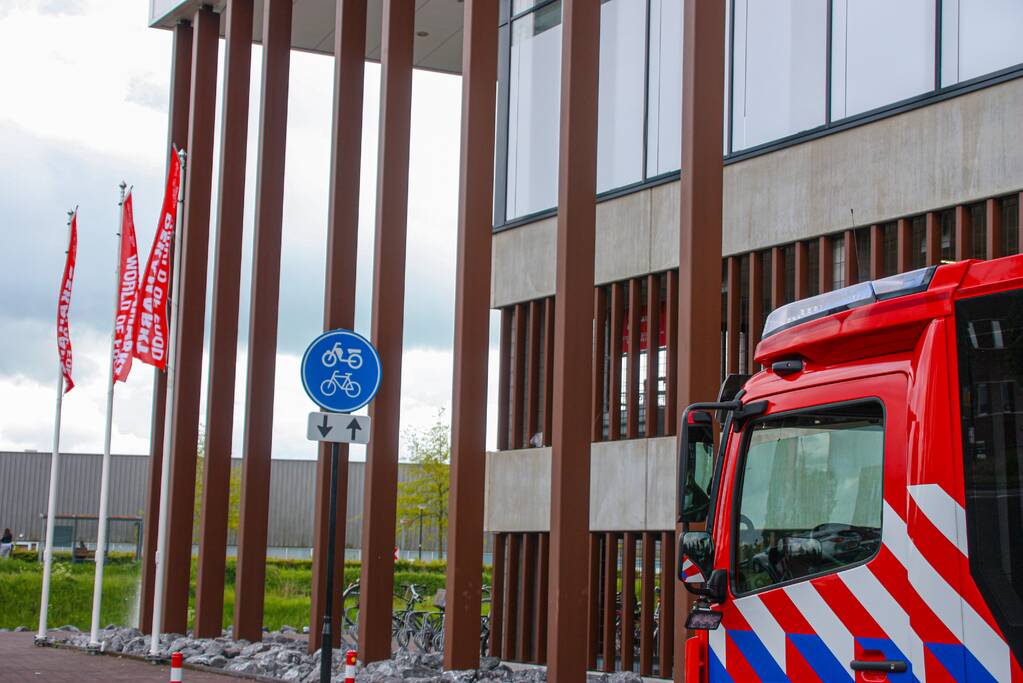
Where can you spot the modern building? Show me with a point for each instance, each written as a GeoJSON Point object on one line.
{"type": "Point", "coordinates": [642, 182]}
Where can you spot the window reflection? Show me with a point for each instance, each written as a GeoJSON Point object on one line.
{"type": "Point", "coordinates": [979, 37]}
{"type": "Point", "coordinates": [810, 494]}
{"type": "Point", "coordinates": [620, 95]}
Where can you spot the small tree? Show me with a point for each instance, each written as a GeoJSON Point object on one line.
{"type": "Point", "coordinates": [234, 495]}
{"type": "Point", "coordinates": [430, 448]}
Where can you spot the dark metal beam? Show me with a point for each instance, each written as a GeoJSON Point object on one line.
{"type": "Point", "coordinates": [472, 337]}
{"type": "Point", "coordinates": [734, 301]}
{"type": "Point", "coordinates": [262, 357]}
{"type": "Point", "coordinates": [339, 286]}
{"type": "Point", "coordinates": [388, 318]}
{"type": "Point", "coordinates": [177, 133]}
{"type": "Point", "coordinates": [184, 409]}
{"type": "Point", "coordinates": [653, 351]}
{"type": "Point", "coordinates": [209, 588]}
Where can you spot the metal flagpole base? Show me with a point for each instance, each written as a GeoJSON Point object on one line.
{"type": "Point", "coordinates": [94, 648]}
{"type": "Point", "coordinates": [41, 641]}
{"type": "Point", "coordinates": [157, 659]}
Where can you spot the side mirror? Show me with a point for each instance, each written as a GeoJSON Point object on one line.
{"type": "Point", "coordinates": [695, 466]}
{"type": "Point", "coordinates": [696, 566]}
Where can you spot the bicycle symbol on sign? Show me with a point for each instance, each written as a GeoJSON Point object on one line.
{"type": "Point", "coordinates": [342, 381]}
{"type": "Point", "coordinates": [336, 354]}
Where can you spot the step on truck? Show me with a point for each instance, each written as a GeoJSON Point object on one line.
{"type": "Point", "coordinates": [854, 510]}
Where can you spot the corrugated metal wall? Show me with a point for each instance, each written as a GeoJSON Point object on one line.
{"type": "Point", "coordinates": [24, 478]}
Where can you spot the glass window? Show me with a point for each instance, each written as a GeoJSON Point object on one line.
{"type": "Point", "coordinates": [810, 494]}
{"type": "Point", "coordinates": [918, 246]}
{"type": "Point", "coordinates": [978, 230]}
{"type": "Point", "coordinates": [813, 268]}
{"type": "Point", "coordinates": [534, 111]}
{"type": "Point", "coordinates": [620, 94]}
{"type": "Point", "coordinates": [882, 52]}
{"type": "Point", "coordinates": [838, 262]}
{"type": "Point", "coordinates": [890, 232]}
{"type": "Point", "coordinates": [862, 238]}
{"type": "Point", "coordinates": [948, 229]}
{"type": "Point", "coordinates": [779, 69]}
{"type": "Point", "coordinates": [979, 37]}
{"type": "Point", "coordinates": [789, 255]}
{"type": "Point", "coordinates": [1010, 224]}
{"type": "Point", "coordinates": [989, 332]}
{"type": "Point", "coordinates": [664, 141]}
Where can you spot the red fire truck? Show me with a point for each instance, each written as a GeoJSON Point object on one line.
{"type": "Point", "coordinates": [857, 512]}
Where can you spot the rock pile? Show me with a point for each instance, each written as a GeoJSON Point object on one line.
{"type": "Point", "coordinates": [281, 656]}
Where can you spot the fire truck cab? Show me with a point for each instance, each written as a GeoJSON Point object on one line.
{"type": "Point", "coordinates": [854, 511]}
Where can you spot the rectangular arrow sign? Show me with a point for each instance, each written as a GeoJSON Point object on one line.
{"type": "Point", "coordinates": [338, 428]}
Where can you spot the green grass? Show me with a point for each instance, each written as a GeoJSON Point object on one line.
{"type": "Point", "coordinates": [287, 595]}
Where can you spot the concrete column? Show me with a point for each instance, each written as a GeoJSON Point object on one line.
{"type": "Point", "coordinates": [177, 132]}
{"type": "Point", "coordinates": [209, 591]}
{"type": "Point", "coordinates": [699, 314]}
{"type": "Point", "coordinates": [472, 337]}
{"type": "Point", "coordinates": [339, 288]}
{"type": "Point", "coordinates": [184, 416]}
{"type": "Point", "coordinates": [388, 317]}
{"type": "Point", "coordinates": [573, 330]}
{"type": "Point", "coordinates": [262, 357]}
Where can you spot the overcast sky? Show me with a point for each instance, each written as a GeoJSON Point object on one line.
{"type": "Point", "coordinates": [85, 89]}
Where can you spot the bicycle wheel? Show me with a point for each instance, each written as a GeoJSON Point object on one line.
{"type": "Point", "coordinates": [350, 609]}
{"type": "Point", "coordinates": [404, 633]}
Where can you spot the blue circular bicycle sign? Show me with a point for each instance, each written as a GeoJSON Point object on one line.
{"type": "Point", "coordinates": [341, 371]}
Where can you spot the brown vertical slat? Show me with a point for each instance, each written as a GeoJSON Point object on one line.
{"type": "Point", "coordinates": [671, 411]}
{"type": "Point", "coordinates": [511, 605]}
{"type": "Point", "coordinates": [876, 252]}
{"type": "Point", "coordinates": [628, 601]}
{"type": "Point", "coordinates": [734, 301]}
{"type": "Point", "coordinates": [614, 413]}
{"type": "Point", "coordinates": [610, 599]}
{"type": "Point", "coordinates": [184, 406]}
{"type": "Point", "coordinates": [504, 378]}
{"type": "Point", "coordinates": [777, 277]}
{"type": "Point", "coordinates": [533, 397]}
{"type": "Point", "coordinates": [209, 582]}
{"type": "Point", "coordinates": [905, 245]}
{"type": "Point", "coordinates": [527, 598]}
{"type": "Point", "coordinates": [852, 270]}
{"type": "Point", "coordinates": [653, 351]}
{"type": "Point", "coordinates": [964, 233]}
{"type": "Point", "coordinates": [599, 353]}
{"type": "Point", "coordinates": [573, 326]}
{"type": "Point", "coordinates": [593, 606]}
{"type": "Point", "coordinates": [802, 270]}
{"type": "Point", "coordinates": [177, 132]}
{"type": "Point", "coordinates": [1019, 222]}
{"type": "Point", "coordinates": [548, 370]}
{"type": "Point", "coordinates": [993, 209]}
{"type": "Point", "coordinates": [646, 616]}
{"type": "Point", "coordinates": [339, 288]}
{"type": "Point", "coordinates": [756, 306]}
{"type": "Point", "coordinates": [632, 388]}
{"type": "Point", "coordinates": [497, 597]}
{"type": "Point", "coordinates": [377, 574]}
{"type": "Point", "coordinates": [933, 238]}
{"type": "Point", "coordinates": [518, 422]}
{"type": "Point", "coordinates": [668, 582]}
{"type": "Point", "coordinates": [825, 265]}
{"type": "Point", "coordinates": [472, 334]}
{"type": "Point", "coordinates": [542, 586]}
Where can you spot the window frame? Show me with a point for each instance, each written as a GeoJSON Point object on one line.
{"type": "Point", "coordinates": [738, 481]}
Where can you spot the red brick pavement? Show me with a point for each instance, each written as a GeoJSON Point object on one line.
{"type": "Point", "coordinates": [21, 661]}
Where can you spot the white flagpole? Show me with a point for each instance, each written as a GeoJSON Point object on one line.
{"type": "Point", "coordinates": [161, 535]}
{"type": "Point", "coordinates": [51, 504]}
{"type": "Point", "coordinates": [104, 482]}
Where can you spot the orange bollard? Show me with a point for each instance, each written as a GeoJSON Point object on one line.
{"type": "Point", "coordinates": [177, 673]}
{"type": "Point", "coordinates": [350, 666]}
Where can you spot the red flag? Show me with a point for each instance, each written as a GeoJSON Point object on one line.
{"type": "Point", "coordinates": [64, 305]}
{"type": "Point", "coordinates": [127, 302]}
{"type": "Point", "coordinates": [151, 325]}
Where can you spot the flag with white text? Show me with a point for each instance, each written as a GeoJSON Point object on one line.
{"type": "Point", "coordinates": [64, 305]}
{"type": "Point", "coordinates": [127, 296]}
{"type": "Point", "coordinates": [151, 324]}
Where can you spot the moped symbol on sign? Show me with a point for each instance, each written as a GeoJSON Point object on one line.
{"type": "Point", "coordinates": [341, 371]}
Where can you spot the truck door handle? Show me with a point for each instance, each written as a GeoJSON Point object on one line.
{"type": "Point", "coordinates": [894, 666]}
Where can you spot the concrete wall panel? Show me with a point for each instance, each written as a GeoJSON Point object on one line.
{"type": "Point", "coordinates": [519, 490]}
{"type": "Point", "coordinates": [623, 237]}
{"type": "Point", "coordinates": [523, 263]}
{"type": "Point", "coordinates": [618, 485]}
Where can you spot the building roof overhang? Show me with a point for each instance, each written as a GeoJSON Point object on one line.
{"type": "Point", "coordinates": [438, 41]}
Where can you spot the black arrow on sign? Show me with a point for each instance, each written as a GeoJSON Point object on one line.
{"type": "Point", "coordinates": [324, 428]}
{"type": "Point", "coordinates": [354, 427]}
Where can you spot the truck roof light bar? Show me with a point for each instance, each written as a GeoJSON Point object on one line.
{"type": "Point", "coordinates": [847, 298]}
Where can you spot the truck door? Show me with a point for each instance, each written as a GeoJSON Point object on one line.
{"type": "Point", "coordinates": [813, 540]}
